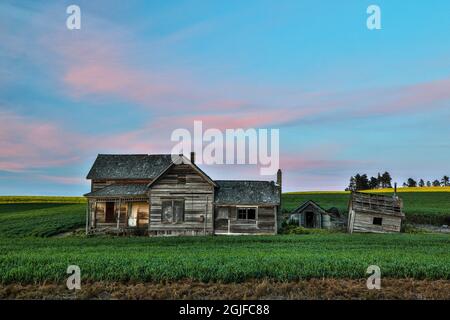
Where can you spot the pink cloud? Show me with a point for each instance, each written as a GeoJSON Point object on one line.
{"type": "Point", "coordinates": [28, 143]}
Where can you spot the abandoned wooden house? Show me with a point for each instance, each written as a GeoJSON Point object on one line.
{"type": "Point", "coordinates": [377, 213]}
{"type": "Point", "coordinates": [311, 215]}
{"type": "Point", "coordinates": [171, 195]}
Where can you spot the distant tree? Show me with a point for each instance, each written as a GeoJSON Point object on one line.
{"type": "Point", "coordinates": [351, 185]}
{"type": "Point", "coordinates": [445, 181]}
{"type": "Point", "coordinates": [436, 183]}
{"type": "Point", "coordinates": [386, 180]}
{"type": "Point", "coordinates": [373, 183]}
{"type": "Point", "coordinates": [412, 183]}
{"type": "Point", "coordinates": [405, 185]}
{"type": "Point", "coordinates": [428, 183]}
{"type": "Point", "coordinates": [361, 181]}
{"type": "Point", "coordinates": [421, 183]}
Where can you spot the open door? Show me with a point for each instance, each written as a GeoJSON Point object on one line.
{"type": "Point", "coordinates": [109, 213]}
{"type": "Point", "coordinates": [309, 217]}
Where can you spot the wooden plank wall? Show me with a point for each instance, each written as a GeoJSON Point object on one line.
{"type": "Point", "coordinates": [363, 222]}
{"type": "Point", "coordinates": [264, 224]}
{"type": "Point", "coordinates": [100, 184]}
{"type": "Point", "coordinates": [182, 182]}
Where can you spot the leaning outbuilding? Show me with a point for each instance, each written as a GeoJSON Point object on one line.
{"type": "Point", "coordinates": [375, 213]}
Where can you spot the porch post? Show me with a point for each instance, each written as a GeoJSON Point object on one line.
{"type": "Point", "coordinates": [118, 215]}
{"type": "Point", "coordinates": [87, 217]}
{"type": "Point", "coordinates": [95, 215]}
{"type": "Point", "coordinates": [129, 211]}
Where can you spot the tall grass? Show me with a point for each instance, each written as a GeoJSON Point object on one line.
{"type": "Point", "coordinates": [228, 259]}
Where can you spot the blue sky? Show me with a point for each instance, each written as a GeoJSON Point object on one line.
{"type": "Point", "coordinates": [346, 99]}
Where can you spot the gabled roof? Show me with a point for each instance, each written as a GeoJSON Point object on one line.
{"type": "Point", "coordinates": [306, 204]}
{"type": "Point", "coordinates": [123, 190]}
{"type": "Point", "coordinates": [183, 160]}
{"type": "Point", "coordinates": [235, 192]}
{"type": "Point", "coordinates": [129, 166]}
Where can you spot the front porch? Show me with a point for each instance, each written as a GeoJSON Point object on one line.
{"type": "Point", "coordinates": [118, 215]}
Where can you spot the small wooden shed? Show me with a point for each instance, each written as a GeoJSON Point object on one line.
{"type": "Point", "coordinates": [375, 213]}
{"type": "Point", "coordinates": [311, 215]}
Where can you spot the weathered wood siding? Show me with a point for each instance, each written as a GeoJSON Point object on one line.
{"type": "Point", "coordinates": [100, 184]}
{"type": "Point", "coordinates": [182, 182]}
{"type": "Point", "coordinates": [265, 222]}
{"type": "Point", "coordinates": [363, 222]}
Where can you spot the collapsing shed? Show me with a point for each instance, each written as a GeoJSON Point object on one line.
{"type": "Point", "coordinates": [374, 213]}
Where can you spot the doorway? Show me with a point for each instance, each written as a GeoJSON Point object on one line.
{"type": "Point", "coordinates": [109, 212]}
{"type": "Point", "coordinates": [309, 217]}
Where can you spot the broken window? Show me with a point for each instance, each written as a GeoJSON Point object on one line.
{"type": "Point", "coordinates": [172, 211]}
{"type": "Point", "coordinates": [247, 213]}
{"type": "Point", "coordinates": [377, 221]}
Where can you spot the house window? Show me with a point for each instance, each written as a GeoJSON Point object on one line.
{"type": "Point", "coordinates": [246, 213]}
{"type": "Point", "coordinates": [172, 211]}
{"type": "Point", "coordinates": [377, 221]}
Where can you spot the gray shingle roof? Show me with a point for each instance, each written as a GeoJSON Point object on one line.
{"type": "Point", "coordinates": [306, 204]}
{"type": "Point", "coordinates": [126, 190]}
{"type": "Point", "coordinates": [129, 166]}
{"type": "Point", "coordinates": [247, 192]}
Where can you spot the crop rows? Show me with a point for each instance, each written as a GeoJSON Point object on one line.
{"type": "Point", "coordinates": [228, 259]}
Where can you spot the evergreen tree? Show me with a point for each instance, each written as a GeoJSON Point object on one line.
{"type": "Point", "coordinates": [412, 183]}
{"type": "Point", "coordinates": [421, 183]}
{"type": "Point", "coordinates": [373, 183]}
{"type": "Point", "coordinates": [352, 184]}
{"type": "Point", "coordinates": [361, 181]}
{"type": "Point", "coordinates": [386, 180]}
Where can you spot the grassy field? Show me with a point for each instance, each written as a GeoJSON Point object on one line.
{"type": "Point", "coordinates": [40, 219]}
{"type": "Point", "coordinates": [228, 259]}
{"type": "Point", "coordinates": [419, 207]}
{"type": "Point", "coordinates": [30, 255]}
{"type": "Point", "coordinates": [41, 199]}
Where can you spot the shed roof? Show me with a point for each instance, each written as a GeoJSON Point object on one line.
{"type": "Point", "coordinates": [123, 190]}
{"type": "Point", "coordinates": [306, 204]}
{"type": "Point", "coordinates": [376, 203]}
{"type": "Point", "coordinates": [247, 192]}
{"type": "Point", "coordinates": [129, 166]}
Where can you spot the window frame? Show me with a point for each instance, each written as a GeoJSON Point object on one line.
{"type": "Point", "coordinates": [380, 219]}
{"type": "Point", "coordinates": [174, 219]}
{"type": "Point", "coordinates": [247, 208]}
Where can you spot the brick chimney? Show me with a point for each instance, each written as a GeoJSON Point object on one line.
{"type": "Point", "coordinates": [192, 156]}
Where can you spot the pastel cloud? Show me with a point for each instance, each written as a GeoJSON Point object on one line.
{"type": "Point", "coordinates": [27, 143]}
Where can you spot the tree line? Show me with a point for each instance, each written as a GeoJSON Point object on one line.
{"type": "Point", "coordinates": [384, 180]}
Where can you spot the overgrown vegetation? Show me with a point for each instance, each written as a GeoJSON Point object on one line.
{"type": "Point", "coordinates": [292, 227]}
